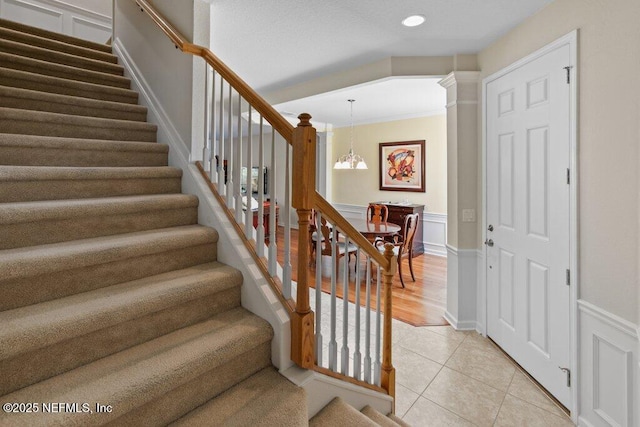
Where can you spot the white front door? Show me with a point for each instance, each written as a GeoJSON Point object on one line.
{"type": "Point", "coordinates": [528, 156]}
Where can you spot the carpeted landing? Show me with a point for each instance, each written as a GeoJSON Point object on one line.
{"type": "Point", "coordinates": [113, 308]}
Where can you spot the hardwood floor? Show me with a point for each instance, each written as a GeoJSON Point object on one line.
{"type": "Point", "coordinates": [421, 303]}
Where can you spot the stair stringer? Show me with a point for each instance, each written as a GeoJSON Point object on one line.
{"type": "Point", "coordinates": [256, 294]}
{"type": "Point", "coordinates": [321, 389]}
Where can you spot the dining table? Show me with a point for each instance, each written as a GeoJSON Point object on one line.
{"type": "Point", "coordinates": [372, 230]}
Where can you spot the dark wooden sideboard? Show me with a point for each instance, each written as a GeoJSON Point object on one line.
{"type": "Point", "coordinates": [397, 213]}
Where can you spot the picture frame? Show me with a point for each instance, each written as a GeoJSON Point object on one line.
{"type": "Point", "coordinates": [402, 166]}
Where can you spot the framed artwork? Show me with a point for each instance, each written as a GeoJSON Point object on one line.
{"type": "Point", "coordinates": [255, 172]}
{"type": "Point", "coordinates": [402, 166]}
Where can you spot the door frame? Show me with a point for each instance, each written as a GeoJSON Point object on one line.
{"type": "Point", "coordinates": [570, 39]}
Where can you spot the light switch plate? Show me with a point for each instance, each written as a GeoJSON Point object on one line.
{"type": "Point", "coordinates": [468, 215]}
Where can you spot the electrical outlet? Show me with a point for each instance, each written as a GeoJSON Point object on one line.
{"type": "Point", "coordinates": [468, 215]}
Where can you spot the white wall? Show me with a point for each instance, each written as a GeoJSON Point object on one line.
{"type": "Point", "coordinates": [85, 19]}
{"type": "Point", "coordinates": [359, 187]}
{"type": "Point", "coordinates": [167, 70]}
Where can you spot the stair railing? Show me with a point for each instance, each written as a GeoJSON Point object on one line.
{"type": "Point", "coordinates": [237, 120]}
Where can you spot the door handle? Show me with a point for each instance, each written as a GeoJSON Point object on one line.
{"type": "Point", "coordinates": [489, 242]}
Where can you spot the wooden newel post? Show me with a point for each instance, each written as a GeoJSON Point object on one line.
{"type": "Point", "coordinates": [388, 377]}
{"type": "Point", "coordinates": [303, 195]}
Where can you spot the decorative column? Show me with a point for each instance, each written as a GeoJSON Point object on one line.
{"type": "Point", "coordinates": [463, 188]}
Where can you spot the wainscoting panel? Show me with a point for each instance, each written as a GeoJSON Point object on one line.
{"type": "Point", "coordinates": [608, 369]}
{"type": "Point", "coordinates": [58, 16]}
{"type": "Point", "coordinates": [434, 226]}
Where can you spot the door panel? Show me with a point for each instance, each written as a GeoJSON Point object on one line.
{"type": "Point", "coordinates": [528, 152]}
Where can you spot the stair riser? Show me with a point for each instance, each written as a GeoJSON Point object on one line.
{"type": "Point", "coordinates": [24, 191]}
{"type": "Point", "coordinates": [35, 366]}
{"type": "Point", "coordinates": [40, 156]}
{"type": "Point", "coordinates": [48, 105]}
{"type": "Point", "coordinates": [29, 290]}
{"type": "Point", "coordinates": [181, 400]}
{"type": "Point", "coordinates": [59, 58]}
{"type": "Point", "coordinates": [65, 72]}
{"type": "Point", "coordinates": [61, 86]}
{"type": "Point", "coordinates": [53, 231]}
{"type": "Point", "coordinates": [47, 128]}
{"type": "Point", "coordinates": [54, 36]}
{"type": "Point", "coordinates": [19, 37]}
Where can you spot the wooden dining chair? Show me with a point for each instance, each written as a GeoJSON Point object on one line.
{"type": "Point", "coordinates": [377, 213]}
{"type": "Point", "coordinates": [403, 245]}
{"type": "Point", "coordinates": [326, 244]}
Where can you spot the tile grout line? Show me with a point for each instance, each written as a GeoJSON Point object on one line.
{"type": "Point", "coordinates": [504, 398]}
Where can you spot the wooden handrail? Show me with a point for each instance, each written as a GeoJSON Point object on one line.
{"type": "Point", "coordinates": [355, 236]}
{"type": "Point", "coordinates": [278, 122]}
{"type": "Point", "coordinates": [302, 138]}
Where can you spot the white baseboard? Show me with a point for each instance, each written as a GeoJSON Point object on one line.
{"type": "Point", "coordinates": [609, 384]}
{"type": "Point", "coordinates": [434, 227]}
{"type": "Point", "coordinates": [59, 16]}
{"type": "Point", "coordinates": [257, 295]}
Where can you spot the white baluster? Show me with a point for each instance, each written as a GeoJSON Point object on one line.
{"type": "Point", "coordinates": [318, 224]}
{"type": "Point", "coordinates": [212, 121]}
{"type": "Point", "coordinates": [206, 147]}
{"type": "Point", "coordinates": [377, 365]}
{"type": "Point", "coordinates": [345, 310]}
{"type": "Point", "coordinates": [286, 285]}
{"type": "Point", "coordinates": [248, 219]}
{"type": "Point", "coordinates": [367, 323]}
{"type": "Point", "coordinates": [237, 168]}
{"type": "Point", "coordinates": [273, 248]}
{"type": "Point", "coordinates": [357, 356]}
{"type": "Point", "coordinates": [333, 345]}
{"type": "Point", "coordinates": [229, 151]}
{"type": "Point", "coordinates": [221, 142]}
{"type": "Point", "coordinates": [260, 233]}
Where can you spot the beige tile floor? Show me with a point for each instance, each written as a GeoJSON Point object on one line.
{"type": "Point", "coordinates": [450, 378]}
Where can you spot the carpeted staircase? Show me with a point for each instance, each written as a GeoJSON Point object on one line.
{"type": "Point", "coordinates": [110, 291]}
{"type": "Point", "coordinates": [113, 308]}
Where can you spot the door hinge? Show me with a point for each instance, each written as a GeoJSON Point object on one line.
{"type": "Point", "coordinates": [568, 277]}
{"type": "Point", "coordinates": [568, 70]}
{"type": "Point", "coordinates": [567, 371]}
{"type": "Point", "coordinates": [568, 176]}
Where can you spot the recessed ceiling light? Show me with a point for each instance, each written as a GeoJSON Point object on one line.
{"type": "Point", "coordinates": [413, 20]}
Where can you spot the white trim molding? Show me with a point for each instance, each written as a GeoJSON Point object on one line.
{"type": "Point", "coordinates": [462, 270]}
{"type": "Point", "coordinates": [609, 370]}
{"type": "Point", "coordinates": [59, 16]}
{"type": "Point", "coordinates": [434, 227]}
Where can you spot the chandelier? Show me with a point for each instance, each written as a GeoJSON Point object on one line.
{"type": "Point", "coordinates": [350, 160]}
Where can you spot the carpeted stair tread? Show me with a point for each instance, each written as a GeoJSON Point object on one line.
{"type": "Point", "coordinates": [57, 57]}
{"type": "Point", "coordinates": [132, 378]}
{"type": "Point", "coordinates": [13, 120]}
{"type": "Point", "coordinates": [47, 259]}
{"type": "Point", "coordinates": [43, 173]}
{"type": "Point", "coordinates": [26, 99]}
{"type": "Point", "coordinates": [339, 413]}
{"type": "Point", "coordinates": [64, 86]}
{"type": "Point", "coordinates": [30, 183]}
{"type": "Point", "coordinates": [38, 150]}
{"type": "Point", "coordinates": [377, 417]}
{"type": "Point", "coordinates": [45, 222]}
{"type": "Point", "coordinates": [55, 45]}
{"type": "Point", "coordinates": [19, 62]}
{"type": "Point", "coordinates": [397, 420]}
{"type": "Point", "coordinates": [27, 328]}
{"type": "Point", "coordinates": [264, 399]}
{"type": "Point", "coordinates": [53, 35]}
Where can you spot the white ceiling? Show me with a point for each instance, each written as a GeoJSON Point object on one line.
{"type": "Point", "coordinates": [278, 43]}
{"type": "Point", "coordinates": [381, 101]}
